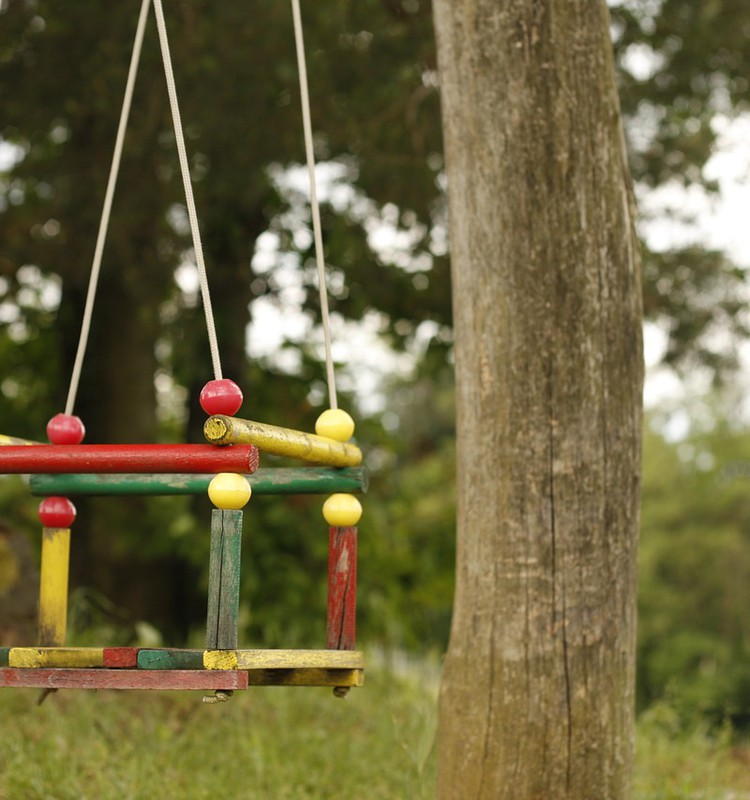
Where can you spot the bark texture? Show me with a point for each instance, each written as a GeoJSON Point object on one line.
{"type": "Point", "coordinates": [537, 698]}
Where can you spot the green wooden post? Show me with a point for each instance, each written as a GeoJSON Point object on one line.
{"type": "Point", "coordinates": [224, 580]}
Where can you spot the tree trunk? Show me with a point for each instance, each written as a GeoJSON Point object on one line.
{"type": "Point", "coordinates": [537, 699]}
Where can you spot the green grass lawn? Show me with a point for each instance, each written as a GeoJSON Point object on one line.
{"type": "Point", "coordinates": [270, 743]}
{"type": "Point", "coordinates": [277, 743]}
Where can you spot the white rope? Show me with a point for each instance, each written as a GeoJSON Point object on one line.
{"type": "Point", "coordinates": [314, 206]}
{"type": "Point", "coordinates": [185, 170]}
{"type": "Point", "coordinates": [75, 377]}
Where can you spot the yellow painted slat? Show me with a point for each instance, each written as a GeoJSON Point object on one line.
{"type": "Point", "coordinates": [53, 586]}
{"type": "Point", "coordinates": [306, 677]}
{"type": "Point", "coordinates": [283, 659]}
{"type": "Point", "coordinates": [36, 657]}
{"type": "Point", "coordinates": [220, 659]}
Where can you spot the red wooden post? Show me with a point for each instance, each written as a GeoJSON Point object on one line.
{"type": "Point", "coordinates": [342, 588]}
{"type": "Point", "coordinates": [127, 458]}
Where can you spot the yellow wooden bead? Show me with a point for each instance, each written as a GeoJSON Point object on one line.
{"type": "Point", "coordinates": [342, 510]}
{"type": "Point", "coordinates": [229, 490]}
{"type": "Point", "coordinates": [335, 424]}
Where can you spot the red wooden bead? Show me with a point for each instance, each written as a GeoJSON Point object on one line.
{"type": "Point", "coordinates": [221, 397]}
{"type": "Point", "coordinates": [65, 429]}
{"type": "Point", "coordinates": [56, 512]}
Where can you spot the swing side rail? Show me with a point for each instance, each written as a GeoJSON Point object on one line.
{"type": "Point", "coordinates": [265, 481]}
{"type": "Point", "coordinates": [127, 458]}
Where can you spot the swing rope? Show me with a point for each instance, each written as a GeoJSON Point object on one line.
{"type": "Point", "coordinates": [190, 201]}
{"type": "Point", "coordinates": [185, 170]}
{"type": "Point", "coordinates": [314, 205]}
{"type": "Point", "coordinates": [88, 311]}
{"type": "Point", "coordinates": [109, 195]}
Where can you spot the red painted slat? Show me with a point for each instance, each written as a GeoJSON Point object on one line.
{"type": "Point", "coordinates": [121, 657]}
{"type": "Point", "coordinates": [128, 458]}
{"type": "Point", "coordinates": [122, 679]}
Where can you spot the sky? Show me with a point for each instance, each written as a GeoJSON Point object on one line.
{"type": "Point", "coordinates": [722, 222]}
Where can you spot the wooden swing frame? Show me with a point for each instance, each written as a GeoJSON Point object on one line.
{"type": "Point", "coordinates": [61, 470]}
{"type": "Point", "coordinates": [221, 667]}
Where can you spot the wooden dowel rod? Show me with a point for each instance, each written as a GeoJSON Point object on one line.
{"type": "Point", "coordinates": [221, 429]}
{"type": "Point", "coordinates": [302, 480]}
{"type": "Point", "coordinates": [6, 441]}
{"type": "Point", "coordinates": [127, 458]}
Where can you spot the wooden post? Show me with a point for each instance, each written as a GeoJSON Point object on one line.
{"type": "Point", "coordinates": [224, 579]}
{"type": "Point", "coordinates": [53, 586]}
{"type": "Point", "coordinates": [56, 515]}
{"type": "Point", "coordinates": [342, 588]}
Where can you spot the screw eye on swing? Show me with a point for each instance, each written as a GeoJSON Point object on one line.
{"type": "Point", "coordinates": [225, 468]}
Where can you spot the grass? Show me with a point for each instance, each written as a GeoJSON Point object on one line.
{"type": "Point", "coordinates": [295, 744]}
{"type": "Point", "coordinates": [270, 743]}
{"type": "Point", "coordinates": [694, 763]}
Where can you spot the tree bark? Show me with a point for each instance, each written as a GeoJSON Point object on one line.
{"type": "Point", "coordinates": [537, 699]}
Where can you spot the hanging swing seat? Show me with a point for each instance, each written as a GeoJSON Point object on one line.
{"type": "Point", "coordinates": [222, 669]}
{"type": "Point", "coordinates": [226, 467]}
{"type": "Point", "coordinates": [163, 668]}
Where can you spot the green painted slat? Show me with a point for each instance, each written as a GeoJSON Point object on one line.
{"type": "Point", "coordinates": [4, 655]}
{"type": "Point", "coordinates": [302, 480]}
{"type": "Point", "coordinates": [170, 659]}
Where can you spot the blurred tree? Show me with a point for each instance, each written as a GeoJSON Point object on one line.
{"type": "Point", "coordinates": [375, 105]}
{"type": "Point", "coordinates": [694, 572]}
{"type": "Point", "coordinates": [62, 74]}
{"type": "Point", "coordinates": [682, 72]}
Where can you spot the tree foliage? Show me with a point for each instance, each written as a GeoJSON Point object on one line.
{"type": "Point", "coordinates": [695, 572]}
{"type": "Point", "coordinates": [681, 73]}
{"type": "Point", "coordinates": [376, 115]}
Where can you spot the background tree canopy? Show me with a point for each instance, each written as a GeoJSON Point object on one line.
{"type": "Point", "coordinates": [375, 92]}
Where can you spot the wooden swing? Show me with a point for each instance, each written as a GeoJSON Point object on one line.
{"type": "Point", "coordinates": [226, 467]}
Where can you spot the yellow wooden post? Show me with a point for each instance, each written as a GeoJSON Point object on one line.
{"type": "Point", "coordinates": [57, 515]}
{"type": "Point", "coordinates": [53, 586]}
